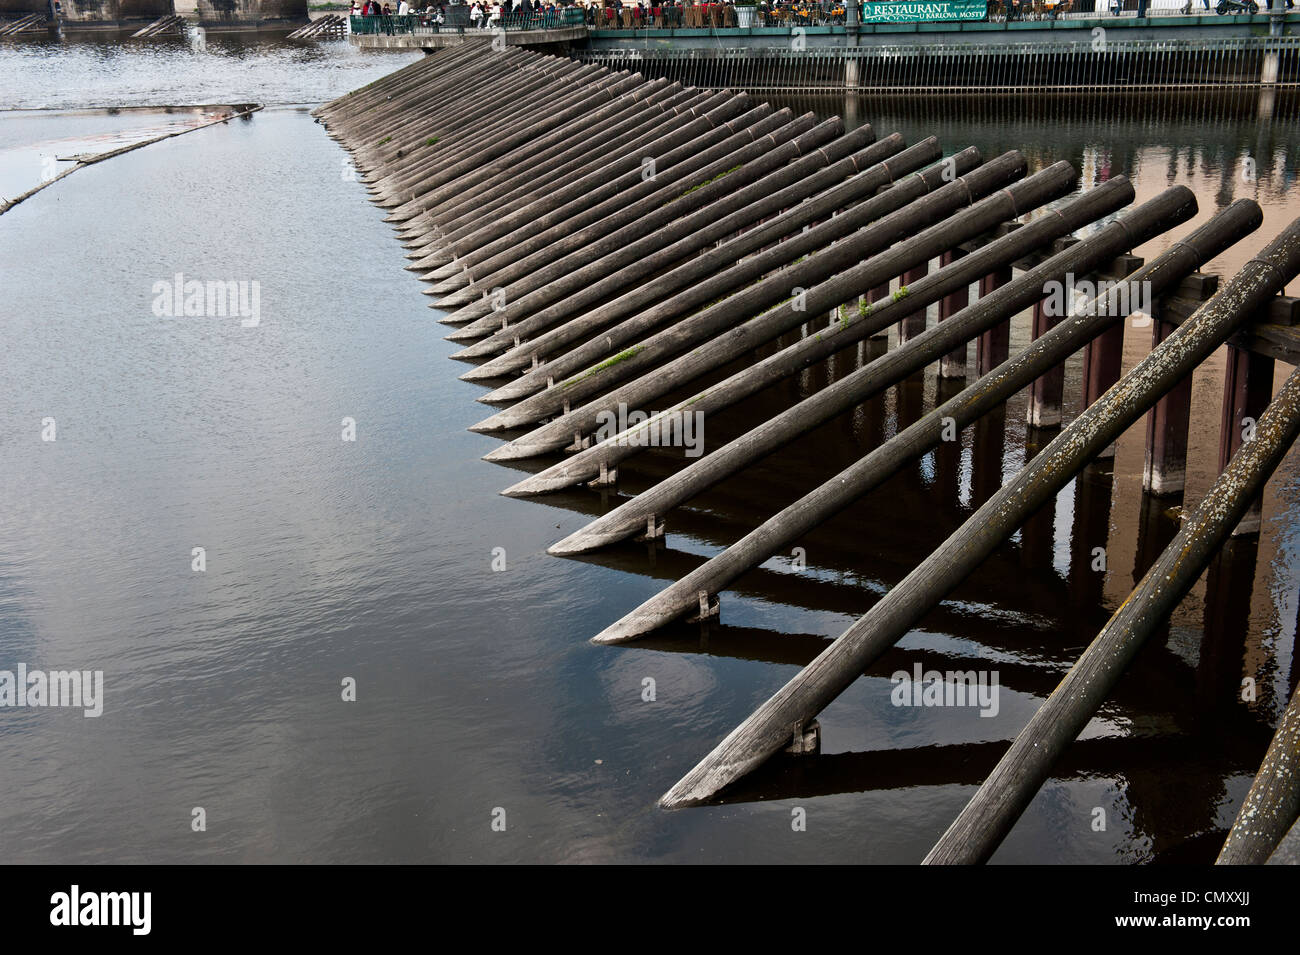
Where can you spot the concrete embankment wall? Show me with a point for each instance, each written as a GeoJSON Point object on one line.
{"type": "Point", "coordinates": [251, 12]}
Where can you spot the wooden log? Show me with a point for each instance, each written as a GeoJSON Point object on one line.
{"type": "Point", "coordinates": [680, 280]}
{"type": "Point", "coordinates": [395, 143]}
{"type": "Point", "coordinates": [914, 324]}
{"type": "Point", "coordinates": [855, 387]}
{"type": "Point", "coordinates": [607, 128]}
{"type": "Point", "coordinates": [1248, 384]}
{"type": "Point", "coordinates": [632, 121]}
{"type": "Point", "coordinates": [991, 813]}
{"type": "Point", "coordinates": [953, 364]}
{"type": "Point", "coordinates": [766, 731]}
{"type": "Point", "coordinates": [1288, 850]}
{"type": "Point", "coordinates": [603, 191]}
{"type": "Point", "coordinates": [838, 259]}
{"type": "Point", "coordinates": [715, 275]}
{"type": "Point", "coordinates": [993, 345]}
{"type": "Point", "coordinates": [647, 206]}
{"type": "Point", "coordinates": [628, 116]}
{"type": "Point", "coordinates": [449, 244]}
{"type": "Point", "coordinates": [499, 134]}
{"type": "Point", "coordinates": [1150, 219]}
{"type": "Point", "coordinates": [733, 164]}
{"type": "Point", "coordinates": [793, 176]}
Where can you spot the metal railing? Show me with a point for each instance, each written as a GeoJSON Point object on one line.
{"type": "Point", "coordinates": [420, 23]}
{"type": "Point", "coordinates": [948, 67]}
{"type": "Point", "coordinates": [789, 15]}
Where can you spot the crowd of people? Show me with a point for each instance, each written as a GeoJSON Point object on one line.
{"type": "Point", "coordinates": [485, 15]}
{"type": "Point", "coordinates": [609, 13]}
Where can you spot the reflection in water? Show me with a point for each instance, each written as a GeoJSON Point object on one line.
{"type": "Point", "coordinates": [478, 689]}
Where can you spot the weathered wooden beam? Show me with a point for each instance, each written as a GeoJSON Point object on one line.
{"type": "Point", "coordinates": [651, 304]}
{"type": "Point", "coordinates": [767, 730]}
{"type": "Point", "coordinates": [914, 324]}
{"type": "Point", "coordinates": [939, 428]}
{"type": "Point", "coordinates": [795, 172]}
{"type": "Point", "coordinates": [1248, 384]}
{"type": "Point", "coordinates": [784, 290]}
{"type": "Point", "coordinates": [993, 345]}
{"type": "Point", "coordinates": [994, 809]}
{"type": "Point", "coordinates": [953, 364]}
{"type": "Point", "coordinates": [863, 383]}
{"type": "Point", "coordinates": [651, 204]}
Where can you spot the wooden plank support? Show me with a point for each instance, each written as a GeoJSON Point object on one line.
{"type": "Point", "coordinates": [1103, 361]}
{"type": "Point", "coordinates": [1047, 393]}
{"type": "Point", "coordinates": [953, 364]}
{"type": "Point", "coordinates": [913, 324]}
{"type": "Point", "coordinates": [879, 293]}
{"type": "Point", "coordinates": [993, 810]}
{"type": "Point", "coordinates": [808, 693]}
{"type": "Point", "coordinates": [912, 355]}
{"type": "Point", "coordinates": [970, 404]}
{"type": "Point", "coordinates": [947, 213]}
{"type": "Point", "coordinates": [1248, 384]}
{"type": "Point", "coordinates": [1164, 472]}
{"type": "Point", "coordinates": [993, 346]}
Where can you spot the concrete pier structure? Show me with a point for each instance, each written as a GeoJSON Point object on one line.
{"type": "Point", "coordinates": [231, 15]}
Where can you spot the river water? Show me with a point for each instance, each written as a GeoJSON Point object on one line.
{"type": "Point", "coordinates": [370, 562]}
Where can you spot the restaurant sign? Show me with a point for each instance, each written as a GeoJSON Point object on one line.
{"type": "Point", "coordinates": [912, 11]}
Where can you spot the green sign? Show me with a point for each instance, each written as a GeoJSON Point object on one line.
{"type": "Point", "coordinates": [912, 11]}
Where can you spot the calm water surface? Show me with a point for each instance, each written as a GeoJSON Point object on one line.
{"type": "Point", "coordinates": [476, 689]}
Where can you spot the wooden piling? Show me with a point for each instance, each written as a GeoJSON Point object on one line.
{"type": "Point", "coordinates": [853, 388]}
{"type": "Point", "coordinates": [703, 279]}
{"type": "Point", "coordinates": [872, 244]}
{"type": "Point", "coordinates": [971, 404]}
{"type": "Point", "coordinates": [808, 693]}
{"type": "Point", "coordinates": [1248, 384]}
{"type": "Point", "coordinates": [953, 364]}
{"type": "Point", "coordinates": [913, 324]}
{"type": "Point", "coordinates": [991, 813]}
{"type": "Point", "coordinates": [992, 347]}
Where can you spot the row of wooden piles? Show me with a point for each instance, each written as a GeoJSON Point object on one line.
{"type": "Point", "coordinates": [331, 26]}
{"type": "Point", "coordinates": [30, 23]}
{"type": "Point", "coordinates": [599, 241]}
{"type": "Point", "coordinates": [173, 25]}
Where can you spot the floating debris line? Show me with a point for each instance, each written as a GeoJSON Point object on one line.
{"type": "Point", "coordinates": [90, 159]}
{"type": "Point", "coordinates": [639, 239]}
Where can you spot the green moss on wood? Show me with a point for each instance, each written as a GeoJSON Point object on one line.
{"type": "Point", "coordinates": [701, 185]}
{"type": "Point", "coordinates": [607, 363]}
